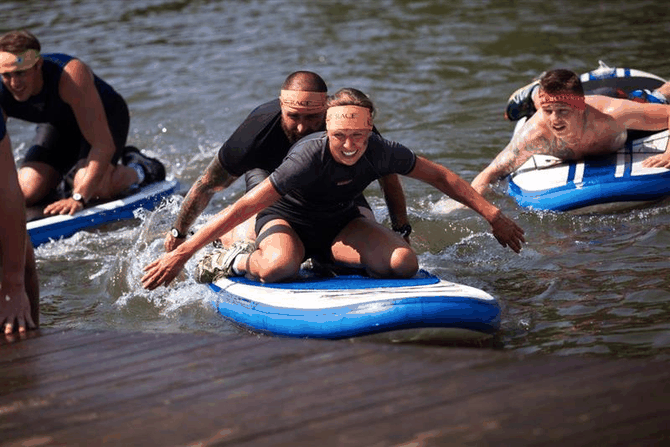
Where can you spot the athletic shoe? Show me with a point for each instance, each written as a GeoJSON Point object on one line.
{"type": "Point", "coordinates": [154, 171]}
{"type": "Point", "coordinates": [520, 104]}
{"type": "Point", "coordinates": [219, 263]}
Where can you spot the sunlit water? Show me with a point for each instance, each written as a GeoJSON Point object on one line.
{"type": "Point", "coordinates": [440, 74]}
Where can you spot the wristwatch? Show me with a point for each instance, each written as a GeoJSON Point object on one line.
{"type": "Point", "coordinates": [79, 198]}
{"type": "Point", "coordinates": [177, 234]}
{"type": "Point", "coordinates": [404, 231]}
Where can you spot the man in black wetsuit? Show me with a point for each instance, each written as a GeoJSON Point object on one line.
{"type": "Point", "coordinates": [82, 127]}
{"type": "Point", "coordinates": [260, 144]}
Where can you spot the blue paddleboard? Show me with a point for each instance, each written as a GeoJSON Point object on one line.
{"type": "Point", "coordinates": [346, 306]}
{"type": "Point", "coordinates": [608, 183]}
{"type": "Point", "coordinates": [62, 226]}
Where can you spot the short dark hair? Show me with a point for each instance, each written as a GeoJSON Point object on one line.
{"type": "Point", "coordinates": [306, 81]}
{"type": "Point", "coordinates": [18, 41]}
{"type": "Point", "coordinates": [561, 80]}
{"type": "Point", "coordinates": [350, 97]}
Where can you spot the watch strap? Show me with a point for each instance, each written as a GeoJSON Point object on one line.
{"type": "Point", "coordinates": [404, 230]}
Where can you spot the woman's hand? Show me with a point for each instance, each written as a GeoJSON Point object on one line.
{"type": "Point", "coordinates": [507, 232]}
{"type": "Point", "coordinates": [163, 270]}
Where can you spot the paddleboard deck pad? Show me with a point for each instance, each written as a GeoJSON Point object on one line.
{"type": "Point", "coordinates": [61, 226]}
{"type": "Point", "coordinates": [349, 306]}
{"type": "Point", "coordinates": [609, 183]}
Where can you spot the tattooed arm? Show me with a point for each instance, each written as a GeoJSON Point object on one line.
{"type": "Point", "coordinates": [214, 179]}
{"type": "Point", "coordinates": [513, 156]}
{"type": "Point", "coordinates": [529, 141]}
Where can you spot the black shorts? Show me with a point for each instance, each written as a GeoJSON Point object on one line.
{"type": "Point", "coordinates": [62, 147]}
{"type": "Point", "coordinates": [317, 237]}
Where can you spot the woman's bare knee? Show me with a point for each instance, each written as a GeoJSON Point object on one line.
{"type": "Point", "coordinates": [276, 272]}
{"type": "Point", "coordinates": [271, 263]}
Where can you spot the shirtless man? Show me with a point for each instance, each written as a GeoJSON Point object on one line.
{"type": "Point", "coordinates": [571, 126]}
{"type": "Point", "coordinates": [81, 132]}
{"type": "Point", "coordinates": [259, 145]}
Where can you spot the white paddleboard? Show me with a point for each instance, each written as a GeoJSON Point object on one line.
{"type": "Point", "coordinates": [354, 306]}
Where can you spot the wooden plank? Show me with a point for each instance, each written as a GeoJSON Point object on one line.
{"type": "Point", "coordinates": [76, 388]}
{"type": "Point", "coordinates": [507, 410]}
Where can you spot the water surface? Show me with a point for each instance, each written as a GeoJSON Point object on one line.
{"type": "Point", "coordinates": [440, 74]}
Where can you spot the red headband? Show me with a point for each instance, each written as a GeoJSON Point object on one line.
{"type": "Point", "coordinates": [569, 98]}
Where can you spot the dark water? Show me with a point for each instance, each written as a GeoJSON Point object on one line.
{"type": "Point", "coordinates": [440, 74]}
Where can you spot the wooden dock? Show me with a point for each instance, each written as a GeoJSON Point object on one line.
{"type": "Point", "coordinates": [78, 388]}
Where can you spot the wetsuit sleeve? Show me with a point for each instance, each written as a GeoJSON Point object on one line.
{"type": "Point", "coordinates": [301, 167]}
{"type": "Point", "coordinates": [234, 153]}
{"type": "Point", "coordinates": [3, 127]}
{"type": "Point", "coordinates": [391, 157]}
{"type": "Point", "coordinates": [403, 158]}
{"type": "Point", "coordinates": [259, 142]}
{"type": "Point", "coordinates": [254, 176]}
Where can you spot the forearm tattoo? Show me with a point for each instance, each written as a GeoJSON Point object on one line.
{"type": "Point", "coordinates": [214, 179]}
{"type": "Point", "coordinates": [519, 151]}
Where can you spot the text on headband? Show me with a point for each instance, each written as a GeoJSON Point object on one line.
{"type": "Point", "coordinates": [298, 101]}
{"type": "Point", "coordinates": [348, 117]}
{"type": "Point", "coordinates": [571, 99]}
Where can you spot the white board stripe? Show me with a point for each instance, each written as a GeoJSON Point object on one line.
{"type": "Point", "coordinates": [620, 164]}
{"type": "Point", "coordinates": [330, 298]}
{"type": "Point", "coordinates": [579, 173]}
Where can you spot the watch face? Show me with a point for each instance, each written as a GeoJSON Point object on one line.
{"type": "Point", "coordinates": [76, 196]}
{"type": "Point", "coordinates": [175, 233]}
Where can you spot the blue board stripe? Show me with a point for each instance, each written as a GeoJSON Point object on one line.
{"type": "Point", "coordinates": [599, 169]}
{"type": "Point", "coordinates": [628, 160]}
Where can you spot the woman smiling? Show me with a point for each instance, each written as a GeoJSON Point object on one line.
{"type": "Point", "coordinates": [306, 207]}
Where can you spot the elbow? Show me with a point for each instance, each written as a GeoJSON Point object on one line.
{"type": "Point", "coordinates": [483, 180]}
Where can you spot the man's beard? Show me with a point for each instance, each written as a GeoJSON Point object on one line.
{"type": "Point", "coordinates": [292, 135]}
